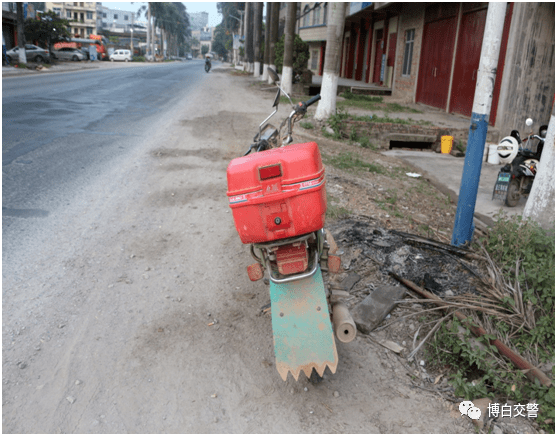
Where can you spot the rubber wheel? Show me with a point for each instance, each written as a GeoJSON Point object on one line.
{"type": "Point", "coordinates": [513, 193]}
{"type": "Point", "coordinates": [39, 59]}
{"type": "Point", "coordinates": [125, 60]}
{"type": "Point", "coordinates": [75, 58]}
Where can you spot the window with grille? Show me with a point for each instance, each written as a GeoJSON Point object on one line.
{"type": "Point", "coordinates": [317, 15]}
{"type": "Point", "coordinates": [408, 49]}
{"type": "Point", "coordinates": [305, 22]}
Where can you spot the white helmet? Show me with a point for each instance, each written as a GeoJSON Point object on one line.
{"type": "Point", "coordinates": [507, 149]}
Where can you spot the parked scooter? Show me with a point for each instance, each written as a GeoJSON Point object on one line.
{"type": "Point", "coordinates": [277, 195]}
{"type": "Point", "coordinates": [516, 178]}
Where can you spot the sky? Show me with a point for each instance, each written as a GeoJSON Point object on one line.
{"type": "Point", "coordinates": [210, 7]}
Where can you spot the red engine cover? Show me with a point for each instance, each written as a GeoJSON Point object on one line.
{"type": "Point", "coordinates": [274, 204]}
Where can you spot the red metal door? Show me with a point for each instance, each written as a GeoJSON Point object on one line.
{"type": "Point", "coordinates": [467, 61]}
{"type": "Point", "coordinates": [435, 62]}
{"type": "Point", "coordinates": [378, 56]}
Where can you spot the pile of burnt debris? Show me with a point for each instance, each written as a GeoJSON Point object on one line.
{"type": "Point", "coordinates": [370, 251]}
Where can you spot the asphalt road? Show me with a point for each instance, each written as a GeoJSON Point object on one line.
{"type": "Point", "coordinates": [60, 132]}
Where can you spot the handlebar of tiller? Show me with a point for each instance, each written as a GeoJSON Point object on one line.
{"type": "Point", "coordinates": [305, 104]}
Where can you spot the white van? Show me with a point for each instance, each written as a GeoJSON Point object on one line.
{"type": "Point", "coordinates": [121, 55]}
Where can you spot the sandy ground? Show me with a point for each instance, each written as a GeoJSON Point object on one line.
{"type": "Point", "coordinates": [105, 324]}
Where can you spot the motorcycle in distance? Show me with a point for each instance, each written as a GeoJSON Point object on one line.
{"type": "Point", "coordinates": [516, 178]}
{"type": "Point", "coordinates": [277, 195]}
{"type": "Point", "coordinates": [207, 64]}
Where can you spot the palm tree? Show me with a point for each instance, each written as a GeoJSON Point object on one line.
{"type": "Point", "coordinates": [258, 19]}
{"type": "Point", "coordinates": [265, 76]}
{"type": "Point", "coordinates": [173, 21]}
{"type": "Point", "coordinates": [274, 36]}
{"type": "Point", "coordinates": [146, 10]}
{"type": "Point", "coordinates": [329, 85]}
{"type": "Point", "coordinates": [290, 30]}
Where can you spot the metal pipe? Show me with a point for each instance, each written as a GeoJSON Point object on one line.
{"type": "Point", "coordinates": [343, 323]}
{"type": "Point", "coordinates": [530, 370]}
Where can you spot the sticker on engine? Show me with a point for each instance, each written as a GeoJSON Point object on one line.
{"type": "Point", "coordinates": [311, 184]}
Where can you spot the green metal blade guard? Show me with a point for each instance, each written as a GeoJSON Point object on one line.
{"type": "Point", "coordinates": [302, 329]}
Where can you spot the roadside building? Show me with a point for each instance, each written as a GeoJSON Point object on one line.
{"type": "Point", "coordinates": [121, 27]}
{"type": "Point", "coordinates": [81, 15]}
{"type": "Point", "coordinates": [116, 19]}
{"type": "Point", "coordinates": [430, 52]}
{"type": "Point", "coordinates": [9, 21]}
{"type": "Point", "coordinates": [204, 37]}
{"type": "Point", "coordinates": [9, 24]}
{"type": "Point", "coordinates": [312, 28]}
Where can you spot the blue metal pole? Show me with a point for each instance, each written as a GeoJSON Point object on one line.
{"type": "Point", "coordinates": [464, 220]}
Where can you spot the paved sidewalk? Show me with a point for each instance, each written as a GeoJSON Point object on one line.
{"type": "Point", "coordinates": [445, 172]}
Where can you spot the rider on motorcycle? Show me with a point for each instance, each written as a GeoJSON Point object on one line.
{"type": "Point", "coordinates": [207, 63]}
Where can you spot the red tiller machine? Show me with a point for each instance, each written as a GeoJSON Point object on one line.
{"type": "Point", "coordinates": [278, 201]}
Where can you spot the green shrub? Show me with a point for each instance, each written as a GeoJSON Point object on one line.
{"type": "Point", "coordinates": [517, 241]}
{"type": "Point", "coordinates": [525, 255]}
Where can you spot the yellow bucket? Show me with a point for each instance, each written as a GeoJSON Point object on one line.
{"type": "Point", "coordinates": [446, 144]}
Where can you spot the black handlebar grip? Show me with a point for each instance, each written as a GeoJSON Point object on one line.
{"type": "Point", "coordinates": [313, 100]}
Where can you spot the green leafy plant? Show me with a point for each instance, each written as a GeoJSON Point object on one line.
{"type": "Point", "coordinates": [306, 125]}
{"type": "Point", "coordinates": [300, 55]}
{"type": "Point", "coordinates": [522, 255]}
{"type": "Point", "coordinates": [526, 255]}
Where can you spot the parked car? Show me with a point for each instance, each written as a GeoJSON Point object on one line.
{"type": "Point", "coordinates": [33, 53]}
{"type": "Point", "coordinates": [189, 57]}
{"type": "Point", "coordinates": [68, 54]}
{"type": "Point", "coordinates": [121, 55]}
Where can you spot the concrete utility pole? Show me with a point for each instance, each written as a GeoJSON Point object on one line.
{"type": "Point", "coordinates": [258, 16]}
{"type": "Point", "coordinates": [464, 219]}
{"type": "Point", "coordinates": [21, 34]}
{"type": "Point", "coordinates": [274, 36]}
{"type": "Point", "coordinates": [335, 30]}
{"type": "Point", "coordinates": [540, 205]}
{"type": "Point", "coordinates": [289, 31]}
{"type": "Point", "coordinates": [131, 40]}
{"type": "Point", "coordinates": [148, 48]}
{"type": "Point", "coordinates": [265, 75]}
